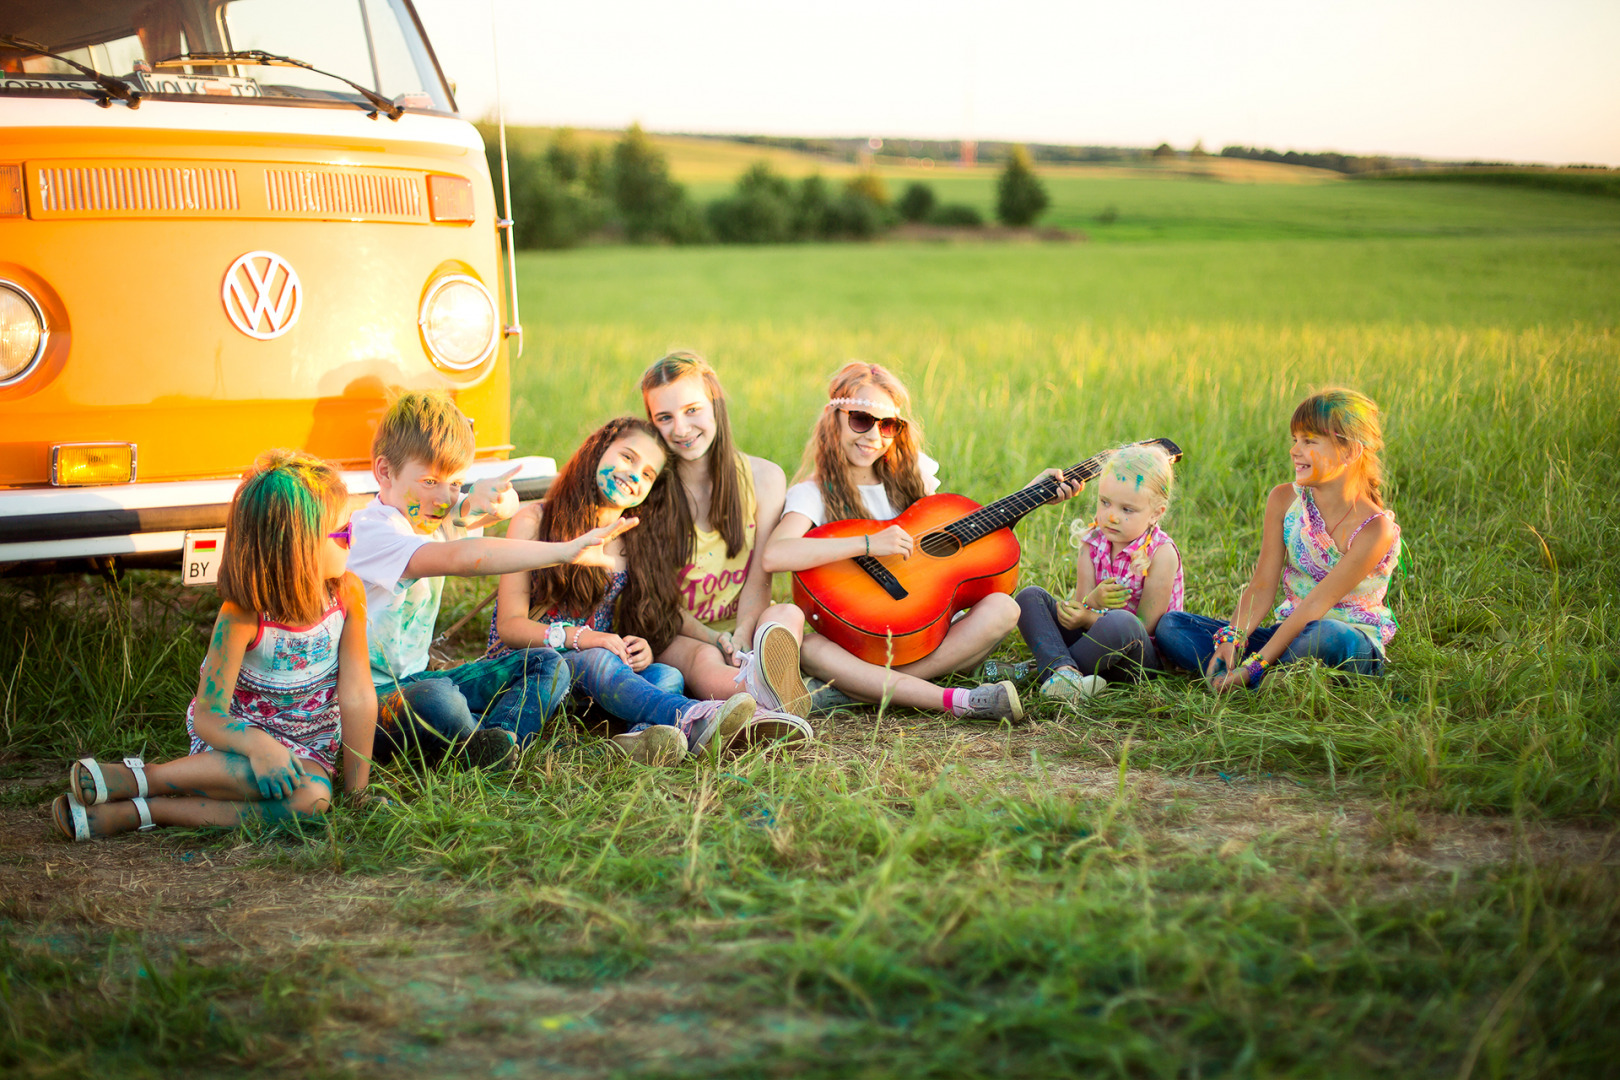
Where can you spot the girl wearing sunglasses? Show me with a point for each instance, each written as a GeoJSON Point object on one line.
{"type": "Point", "coordinates": [865, 460]}
{"type": "Point", "coordinates": [285, 691]}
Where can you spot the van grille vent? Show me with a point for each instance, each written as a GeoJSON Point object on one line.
{"type": "Point", "coordinates": [155, 190]}
{"type": "Point", "coordinates": [347, 194]}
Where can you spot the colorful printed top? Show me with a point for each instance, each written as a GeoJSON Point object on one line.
{"type": "Point", "coordinates": [1312, 553]}
{"type": "Point", "coordinates": [711, 583]}
{"type": "Point", "coordinates": [601, 619]}
{"type": "Point", "coordinates": [288, 687]}
{"type": "Point", "coordinates": [1105, 564]}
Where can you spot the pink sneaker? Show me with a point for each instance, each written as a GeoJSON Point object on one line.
{"type": "Point", "coordinates": [711, 726]}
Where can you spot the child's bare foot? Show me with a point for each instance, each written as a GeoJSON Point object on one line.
{"type": "Point", "coordinates": [77, 821]}
{"type": "Point", "coordinates": [94, 782]}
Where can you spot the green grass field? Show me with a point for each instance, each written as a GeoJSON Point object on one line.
{"type": "Point", "coordinates": [1413, 876]}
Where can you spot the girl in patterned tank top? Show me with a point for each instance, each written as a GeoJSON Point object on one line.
{"type": "Point", "coordinates": [286, 682]}
{"type": "Point", "coordinates": [1329, 542]}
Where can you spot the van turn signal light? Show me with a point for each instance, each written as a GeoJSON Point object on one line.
{"type": "Point", "coordinates": [450, 198]}
{"type": "Point", "coordinates": [81, 464]}
{"type": "Point", "coordinates": [11, 191]}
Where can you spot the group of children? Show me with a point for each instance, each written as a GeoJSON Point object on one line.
{"type": "Point", "coordinates": [643, 583]}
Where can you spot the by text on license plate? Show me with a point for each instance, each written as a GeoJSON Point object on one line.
{"type": "Point", "coordinates": [199, 562]}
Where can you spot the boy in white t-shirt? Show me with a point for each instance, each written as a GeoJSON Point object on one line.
{"type": "Point", "coordinates": [403, 544]}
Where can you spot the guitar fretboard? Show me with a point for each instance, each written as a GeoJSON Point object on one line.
{"type": "Point", "coordinates": [1006, 512]}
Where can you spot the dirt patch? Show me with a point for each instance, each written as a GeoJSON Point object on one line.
{"type": "Point", "coordinates": [428, 995]}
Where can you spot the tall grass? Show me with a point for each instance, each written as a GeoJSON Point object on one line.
{"type": "Point", "coordinates": [922, 898]}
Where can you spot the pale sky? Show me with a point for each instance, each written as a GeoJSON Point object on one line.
{"type": "Point", "coordinates": [1513, 80]}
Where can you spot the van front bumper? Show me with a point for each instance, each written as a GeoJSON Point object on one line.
{"type": "Point", "coordinates": [146, 524]}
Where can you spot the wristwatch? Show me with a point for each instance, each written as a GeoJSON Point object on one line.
{"type": "Point", "coordinates": [556, 635]}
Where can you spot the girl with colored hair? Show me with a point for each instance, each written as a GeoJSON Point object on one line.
{"type": "Point", "coordinates": [610, 622]}
{"type": "Point", "coordinates": [865, 460]}
{"type": "Point", "coordinates": [285, 684]}
{"type": "Point", "coordinates": [1127, 576]}
{"type": "Point", "coordinates": [729, 507]}
{"type": "Point", "coordinates": [1328, 540]}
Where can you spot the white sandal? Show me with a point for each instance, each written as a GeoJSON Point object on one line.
{"type": "Point", "coordinates": [80, 819]}
{"type": "Point", "coordinates": [93, 767]}
{"type": "Point", "coordinates": [77, 818]}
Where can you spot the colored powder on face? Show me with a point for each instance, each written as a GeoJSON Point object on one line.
{"type": "Point", "coordinates": [607, 483]}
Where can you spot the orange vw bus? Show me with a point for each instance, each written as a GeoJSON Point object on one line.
{"type": "Point", "coordinates": [226, 226]}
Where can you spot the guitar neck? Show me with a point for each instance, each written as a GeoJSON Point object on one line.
{"type": "Point", "coordinates": [1007, 512]}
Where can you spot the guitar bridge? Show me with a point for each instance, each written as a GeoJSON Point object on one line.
{"type": "Point", "coordinates": [880, 574]}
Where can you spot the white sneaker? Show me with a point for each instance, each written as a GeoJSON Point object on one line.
{"type": "Point", "coordinates": [655, 744]}
{"type": "Point", "coordinates": [776, 662]}
{"type": "Point", "coordinates": [1067, 684]}
{"type": "Point", "coordinates": [712, 725]}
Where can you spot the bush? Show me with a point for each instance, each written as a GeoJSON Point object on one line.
{"type": "Point", "coordinates": [855, 216]}
{"type": "Point", "coordinates": [752, 217]}
{"type": "Point", "coordinates": [956, 215]}
{"type": "Point", "coordinates": [1020, 195]}
{"type": "Point", "coordinates": [917, 202]}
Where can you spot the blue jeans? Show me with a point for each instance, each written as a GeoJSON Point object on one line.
{"type": "Point", "coordinates": [1117, 645]}
{"type": "Point", "coordinates": [1188, 641]}
{"type": "Point", "coordinates": [516, 692]}
{"type": "Point", "coordinates": [652, 696]}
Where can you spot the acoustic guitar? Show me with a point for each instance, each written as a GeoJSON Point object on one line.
{"type": "Point", "coordinates": [892, 610]}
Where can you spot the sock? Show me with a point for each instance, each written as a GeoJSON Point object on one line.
{"type": "Point", "coordinates": [956, 701]}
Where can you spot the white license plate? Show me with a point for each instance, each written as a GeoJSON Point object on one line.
{"type": "Point", "coordinates": [199, 563]}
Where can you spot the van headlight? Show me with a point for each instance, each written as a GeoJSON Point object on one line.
{"type": "Point", "coordinates": [459, 322]}
{"type": "Point", "coordinates": [23, 332]}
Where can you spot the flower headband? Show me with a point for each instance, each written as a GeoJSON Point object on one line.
{"type": "Point", "coordinates": [840, 402]}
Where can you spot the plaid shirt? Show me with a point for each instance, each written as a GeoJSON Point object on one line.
{"type": "Point", "coordinates": [1105, 564]}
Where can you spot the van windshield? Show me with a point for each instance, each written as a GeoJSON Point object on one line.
{"type": "Point", "coordinates": [376, 43]}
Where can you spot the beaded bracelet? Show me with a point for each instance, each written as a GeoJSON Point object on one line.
{"type": "Point", "coordinates": [1228, 635]}
{"type": "Point", "coordinates": [1255, 666]}
{"type": "Point", "coordinates": [1097, 611]}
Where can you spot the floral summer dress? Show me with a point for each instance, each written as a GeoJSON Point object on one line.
{"type": "Point", "coordinates": [288, 687]}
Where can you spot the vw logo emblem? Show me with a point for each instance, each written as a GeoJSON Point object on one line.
{"type": "Point", "coordinates": [262, 295]}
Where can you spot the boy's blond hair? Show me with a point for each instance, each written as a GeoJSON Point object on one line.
{"type": "Point", "coordinates": [425, 426]}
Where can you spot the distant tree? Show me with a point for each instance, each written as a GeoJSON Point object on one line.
{"type": "Point", "coordinates": [548, 211]}
{"type": "Point", "coordinates": [641, 190]}
{"type": "Point", "coordinates": [761, 210]}
{"type": "Point", "coordinates": [1164, 150]}
{"type": "Point", "coordinates": [1198, 150]}
{"type": "Point", "coordinates": [1020, 195]}
{"type": "Point", "coordinates": [564, 156]}
{"type": "Point", "coordinates": [813, 210]}
{"type": "Point", "coordinates": [917, 202]}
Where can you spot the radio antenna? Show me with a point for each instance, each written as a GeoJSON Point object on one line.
{"type": "Point", "coordinates": [515, 327]}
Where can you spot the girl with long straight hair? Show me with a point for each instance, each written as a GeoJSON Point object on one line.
{"type": "Point", "coordinates": [730, 506]}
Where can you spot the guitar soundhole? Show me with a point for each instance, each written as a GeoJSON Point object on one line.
{"type": "Point", "coordinates": [940, 545]}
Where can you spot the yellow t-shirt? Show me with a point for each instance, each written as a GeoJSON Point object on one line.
{"type": "Point", "coordinates": [711, 584]}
